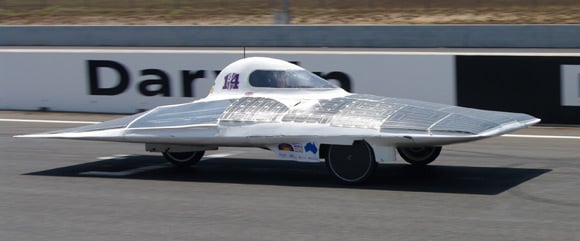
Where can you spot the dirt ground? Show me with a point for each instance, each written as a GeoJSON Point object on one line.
{"type": "Point", "coordinates": [255, 12]}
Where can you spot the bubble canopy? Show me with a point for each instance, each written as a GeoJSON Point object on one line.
{"type": "Point", "coordinates": [267, 76]}
{"type": "Point", "coordinates": [288, 79]}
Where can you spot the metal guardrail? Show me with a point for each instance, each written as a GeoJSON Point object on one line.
{"type": "Point", "coordinates": [348, 36]}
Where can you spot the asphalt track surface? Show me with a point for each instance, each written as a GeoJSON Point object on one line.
{"type": "Point", "coordinates": [505, 188]}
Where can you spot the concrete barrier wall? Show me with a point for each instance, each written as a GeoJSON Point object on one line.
{"type": "Point", "coordinates": [371, 36]}
{"type": "Point", "coordinates": [127, 80]}
{"type": "Point", "coordinates": [118, 80]}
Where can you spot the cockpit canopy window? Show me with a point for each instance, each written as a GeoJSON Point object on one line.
{"type": "Point", "coordinates": [288, 79]}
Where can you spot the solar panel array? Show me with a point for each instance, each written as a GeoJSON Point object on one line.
{"type": "Point", "coordinates": [354, 111]}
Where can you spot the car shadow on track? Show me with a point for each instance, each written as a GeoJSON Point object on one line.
{"type": "Point", "coordinates": [399, 177]}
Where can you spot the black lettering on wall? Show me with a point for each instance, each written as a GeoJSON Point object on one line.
{"type": "Point", "coordinates": [162, 83]}
{"type": "Point", "coordinates": [94, 77]}
{"type": "Point", "coordinates": [187, 79]}
{"type": "Point", "coordinates": [342, 78]}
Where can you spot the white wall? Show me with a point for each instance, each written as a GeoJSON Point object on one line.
{"type": "Point", "coordinates": [58, 79]}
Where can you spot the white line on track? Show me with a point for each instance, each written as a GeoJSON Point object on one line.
{"type": "Point", "coordinates": [218, 155]}
{"type": "Point", "coordinates": [223, 154]}
{"type": "Point", "coordinates": [123, 173]}
{"type": "Point", "coordinates": [49, 121]}
{"type": "Point", "coordinates": [542, 136]}
{"type": "Point", "coordinates": [116, 157]}
{"type": "Point", "coordinates": [141, 169]}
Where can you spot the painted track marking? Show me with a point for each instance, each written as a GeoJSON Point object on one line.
{"type": "Point", "coordinates": [49, 121]}
{"type": "Point", "coordinates": [123, 173]}
{"type": "Point", "coordinates": [221, 155]}
{"type": "Point", "coordinates": [144, 168]}
{"type": "Point", "coordinates": [542, 136]}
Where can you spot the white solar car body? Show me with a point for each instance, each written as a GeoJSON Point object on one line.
{"type": "Point", "coordinates": [273, 104]}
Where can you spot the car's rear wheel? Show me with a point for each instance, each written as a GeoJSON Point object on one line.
{"type": "Point", "coordinates": [419, 156]}
{"type": "Point", "coordinates": [352, 164]}
{"type": "Point", "coordinates": [184, 159]}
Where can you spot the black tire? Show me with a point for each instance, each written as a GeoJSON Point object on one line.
{"type": "Point", "coordinates": [353, 164]}
{"type": "Point", "coordinates": [183, 159]}
{"type": "Point", "coordinates": [419, 156]}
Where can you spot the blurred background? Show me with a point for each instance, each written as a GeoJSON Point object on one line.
{"type": "Point", "coordinates": [263, 12]}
